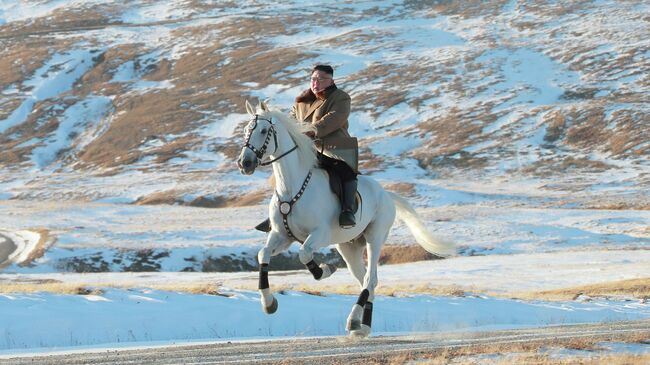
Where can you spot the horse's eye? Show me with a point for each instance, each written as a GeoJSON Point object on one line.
{"type": "Point", "coordinates": [264, 131]}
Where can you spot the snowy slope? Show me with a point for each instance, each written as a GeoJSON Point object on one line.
{"type": "Point", "coordinates": [502, 88]}
{"type": "Point", "coordinates": [518, 129]}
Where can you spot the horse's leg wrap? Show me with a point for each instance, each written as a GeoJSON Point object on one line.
{"type": "Point", "coordinates": [354, 319]}
{"type": "Point", "coordinates": [363, 298]}
{"type": "Point", "coordinates": [315, 269]}
{"type": "Point", "coordinates": [264, 277]}
{"type": "Point", "coordinates": [269, 303]}
{"type": "Point", "coordinates": [367, 314]}
{"type": "Point", "coordinates": [363, 330]}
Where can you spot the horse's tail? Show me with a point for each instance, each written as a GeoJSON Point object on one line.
{"type": "Point", "coordinates": [406, 213]}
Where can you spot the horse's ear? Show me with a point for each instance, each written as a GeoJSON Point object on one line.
{"type": "Point", "coordinates": [249, 108]}
{"type": "Point", "coordinates": [263, 106]}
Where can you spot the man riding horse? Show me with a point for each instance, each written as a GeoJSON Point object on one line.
{"type": "Point", "coordinates": [327, 108]}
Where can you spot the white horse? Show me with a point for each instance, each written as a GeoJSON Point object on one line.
{"type": "Point", "coordinates": [304, 209]}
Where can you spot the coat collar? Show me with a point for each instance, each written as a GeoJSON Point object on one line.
{"type": "Point", "coordinates": [309, 97]}
{"type": "Point", "coordinates": [327, 92]}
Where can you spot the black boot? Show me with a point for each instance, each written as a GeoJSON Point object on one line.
{"type": "Point", "coordinates": [349, 194]}
{"type": "Point", "coordinates": [264, 226]}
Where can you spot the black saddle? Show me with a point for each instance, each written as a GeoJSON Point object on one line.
{"type": "Point", "coordinates": [336, 186]}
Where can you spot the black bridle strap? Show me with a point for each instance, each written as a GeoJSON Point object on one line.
{"type": "Point", "coordinates": [266, 163]}
{"type": "Point", "coordinates": [260, 153]}
{"type": "Point", "coordinates": [286, 207]}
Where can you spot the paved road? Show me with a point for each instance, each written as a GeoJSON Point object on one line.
{"type": "Point", "coordinates": [7, 247]}
{"type": "Point", "coordinates": [339, 350]}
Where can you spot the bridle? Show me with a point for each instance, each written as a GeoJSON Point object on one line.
{"type": "Point", "coordinates": [284, 206]}
{"type": "Point", "coordinates": [262, 150]}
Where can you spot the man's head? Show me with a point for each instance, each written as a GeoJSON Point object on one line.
{"type": "Point", "coordinates": [322, 77]}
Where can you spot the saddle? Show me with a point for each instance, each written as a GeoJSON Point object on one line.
{"type": "Point", "coordinates": [336, 186]}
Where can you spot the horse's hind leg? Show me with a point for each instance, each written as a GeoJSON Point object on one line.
{"type": "Point", "coordinates": [273, 243]}
{"type": "Point", "coordinates": [375, 234]}
{"type": "Point", "coordinates": [352, 253]}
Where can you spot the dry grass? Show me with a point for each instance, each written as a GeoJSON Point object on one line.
{"type": "Point", "coordinates": [636, 288]}
{"type": "Point", "coordinates": [529, 352]}
{"type": "Point", "coordinates": [402, 188]}
{"type": "Point", "coordinates": [533, 359]}
{"type": "Point", "coordinates": [621, 205]}
{"type": "Point", "coordinates": [399, 254]}
{"type": "Point", "coordinates": [353, 289]}
{"type": "Point", "coordinates": [53, 286]}
{"type": "Point", "coordinates": [452, 133]}
{"type": "Point", "coordinates": [174, 197]}
{"type": "Point", "coordinates": [368, 162]}
{"type": "Point", "coordinates": [58, 287]}
{"type": "Point", "coordinates": [561, 166]}
{"type": "Point", "coordinates": [556, 125]}
{"type": "Point", "coordinates": [463, 9]}
{"type": "Point", "coordinates": [19, 59]}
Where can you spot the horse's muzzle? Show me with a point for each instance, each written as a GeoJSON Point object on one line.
{"type": "Point", "coordinates": [247, 164]}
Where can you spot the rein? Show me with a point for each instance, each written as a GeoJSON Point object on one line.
{"type": "Point", "coordinates": [268, 162]}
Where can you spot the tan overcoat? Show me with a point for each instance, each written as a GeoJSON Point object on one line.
{"type": "Point", "coordinates": [330, 118]}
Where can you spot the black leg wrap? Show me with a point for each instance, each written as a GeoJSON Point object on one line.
{"type": "Point", "coordinates": [264, 277]}
{"type": "Point", "coordinates": [314, 269]}
{"type": "Point", "coordinates": [363, 297]}
{"type": "Point", "coordinates": [367, 314]}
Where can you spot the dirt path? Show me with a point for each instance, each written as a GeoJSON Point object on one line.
{"type": "Point", "coordinates": [329, 350]}
{"type": "Point", "coordinates": [7, 247]}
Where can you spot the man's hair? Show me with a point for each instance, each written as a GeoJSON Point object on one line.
{"type": "Point", "coordinates": [325, 68]}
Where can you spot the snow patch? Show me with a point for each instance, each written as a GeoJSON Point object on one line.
{"type": "Point", "coordinates": [25, 242]}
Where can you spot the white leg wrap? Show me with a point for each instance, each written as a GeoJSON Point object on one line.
{"type": "Point", "coordinates": [266, 297]}
{"type": "Point", "coordinates": [305, 255]}
{"type": "Point", "coordinates": [354, 319]}
{"type": "Point", "coordinates": [328, 270]}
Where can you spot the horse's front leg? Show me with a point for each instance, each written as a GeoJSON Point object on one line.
{"type": "Point", "coordinates": [274, 241]}
{"type": "Point", "coordinates": [316, 240]}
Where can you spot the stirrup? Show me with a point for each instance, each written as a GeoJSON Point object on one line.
{"type": "Point", "coordinates": [264, 226]}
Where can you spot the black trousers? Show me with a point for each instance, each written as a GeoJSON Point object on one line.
{"type": "Point", "coordinates": [340, 167]}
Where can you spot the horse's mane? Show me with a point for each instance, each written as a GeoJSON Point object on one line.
{"type": "Point", "coordinates": [296, 130]}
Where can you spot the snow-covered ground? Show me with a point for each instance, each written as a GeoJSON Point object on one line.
{"type": "Point", "coordinates": [516, 232]}
{"type": "Point", "coordinates": [47, 321]}
{"type": "Point", "coordinates": [593, 247]}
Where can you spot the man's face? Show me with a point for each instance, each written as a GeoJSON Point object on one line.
{"type": "Point", "coordinates": [320, 81]}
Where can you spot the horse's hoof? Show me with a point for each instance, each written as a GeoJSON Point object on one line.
{"type": "Point", "coordinates": [363, 331]}
{"type": "Point", "coordinates": [353, 325]}
{"type": "Point", "coordinates": [272, 308]}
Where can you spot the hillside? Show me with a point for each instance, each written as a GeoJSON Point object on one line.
{"type": "Point", "coordinates": [143, 101]}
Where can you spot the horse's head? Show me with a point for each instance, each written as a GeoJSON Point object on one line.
{"type": "Point", "coordinates": [260, 138]}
